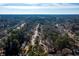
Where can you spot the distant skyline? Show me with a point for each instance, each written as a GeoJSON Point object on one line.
{"type": "Point", "coordinates": [39, 8]}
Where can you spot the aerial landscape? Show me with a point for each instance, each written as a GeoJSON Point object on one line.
{"type": "Point", "coordinates": [39, 35]}
{"type": "Point", "coordinates": [39, 29]}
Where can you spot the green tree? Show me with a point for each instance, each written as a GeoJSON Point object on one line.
{"type": "Point", "coordinates": [62, 42]}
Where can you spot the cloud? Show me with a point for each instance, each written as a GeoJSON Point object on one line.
{"type": "Point", "coordinates": [41, 8]}
{"type": "Point", "coordinates": [38, 4]}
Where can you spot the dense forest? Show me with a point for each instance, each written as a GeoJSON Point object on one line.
{"type": "Point", "coordinates": [39, 35]}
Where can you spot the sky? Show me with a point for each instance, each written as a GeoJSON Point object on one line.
{"type": "Point", "coordinates": [37, 7]}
